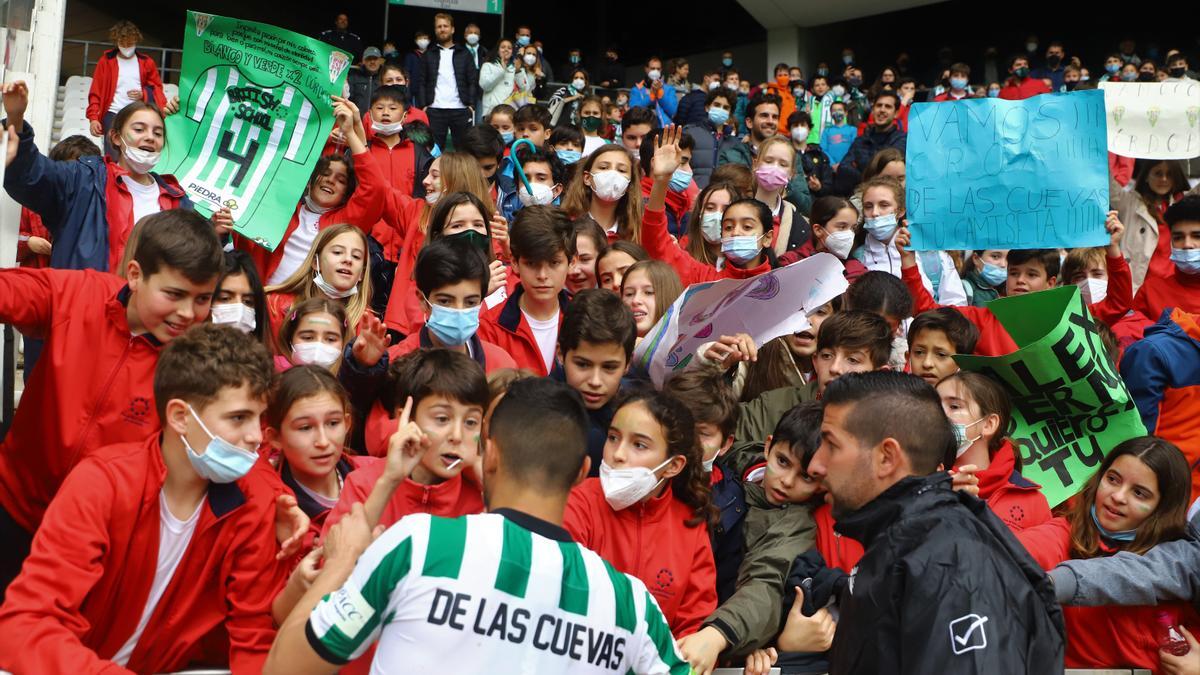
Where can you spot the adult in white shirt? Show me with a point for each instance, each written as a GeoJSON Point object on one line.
{"type": "Point", "coordinates": [451, 83]}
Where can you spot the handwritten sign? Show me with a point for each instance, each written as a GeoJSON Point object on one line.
{"type": "Point", "coordinates": [1070, 406]}
{"type": "Point", "coordinates": [1153, 120]}
{"type": "Point", "coordinates": [990, 173]}
{"type": "Point", "coordinates": [765, 307]}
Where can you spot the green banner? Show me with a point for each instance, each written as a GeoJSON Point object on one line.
{"type": "Point", "coordinates": [254, 114]}
{"type": "Point", "coordinates": [1070, 406]}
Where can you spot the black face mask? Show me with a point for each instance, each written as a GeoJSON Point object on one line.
{"type": "Point", "coordinates": [1177, 71]}
{"type": "Point", "coordinates": [1147, 77]}
{"type": "Point", "coordinates": [1071, 85]}
{"type": "Point", "coordinates": [1053, 60]}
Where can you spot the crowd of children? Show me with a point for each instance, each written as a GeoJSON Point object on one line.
{"type": "Point", "coordinates": [168, 502]}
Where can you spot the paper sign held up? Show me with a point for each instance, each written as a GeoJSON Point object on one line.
{"type": "Point", "coordinates": [1153, 120]}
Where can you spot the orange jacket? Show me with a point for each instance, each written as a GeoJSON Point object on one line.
{"type": "Point", "coordinates": [650, 541]}
{"type": "Point", "coordinates": [787, 104]}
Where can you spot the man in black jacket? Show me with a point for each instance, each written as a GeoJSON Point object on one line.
{"type": "Point", "coordinates": [943, 587]}
{"type": "Point", "coordinates": [450, 82]}
{"type": "Point", "coordinates": [884, 133]}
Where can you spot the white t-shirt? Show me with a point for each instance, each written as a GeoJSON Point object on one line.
{"type": "Point", "coordinates": [129, 76]}
{"type": "Point", "coordinates": [174, 535]}
{"type": "Point", "coordinates": [592, 144]}
{"type": "Point", "coordinates": [145, 198]}
{"type": "Point", "coordinates": [445, 91]}
{"type": "Point", "coordinates": [546, 334]}
{"type": "Point", "coordinates": [295, 249]}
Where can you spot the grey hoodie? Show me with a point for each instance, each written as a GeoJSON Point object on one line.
{"type": "Point", "coordinates": [1167, 572]}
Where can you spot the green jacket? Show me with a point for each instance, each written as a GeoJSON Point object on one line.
{"type": "Point", "coordinates": [979, 293]}
{"type": "Point", "coordinates": [774, 536]}
{"type": "Point", "coordinates": [757, 420]}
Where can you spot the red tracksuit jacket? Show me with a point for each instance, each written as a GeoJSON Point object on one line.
{"type": "Point", "coordinates": [84, 586]}
{"type": "Point", "coordinates": [104, 84]}
{"type": "Point", "coordinates": [459, 496]}
{"type": "Point", "coordinates": [650, 541]}
{"type": "Point", "coordinates": [1017, 501]}
{"type": "Point", "coordinates": [691, 271]}
{"type": "Point", "coordinates": [1173, 289]}
{"type": "Point", "coordinates": [93, 386]}
{"type": "Point", "coordinates": [505, 326]}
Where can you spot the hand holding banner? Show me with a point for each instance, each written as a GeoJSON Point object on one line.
{"type": "Point", "coordinates": [1070, 406]}
{"type": "Point", "coordinates": [254, 115]}
{"type": "Point", "coordinates": [1153, 120]}
{"type": "Point", "coordinates": [990, 173]}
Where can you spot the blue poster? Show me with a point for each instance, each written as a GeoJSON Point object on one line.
{"type": "Point", "coordinates": [988, 173]}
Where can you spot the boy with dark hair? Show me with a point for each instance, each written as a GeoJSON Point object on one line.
{"type": "Point", "coordinates": [1180, 287]}
{"type": "Point", "coordinates": [960, 74]}
{"type": "Point", "coordinates": [595, 343]}
{"type": "Point", "coordinates": [34, 240]}
{"type": "Point", "coordinates": [567, 142]}
{"type": "Point", "coordinates": [934, 337]}
{"type": "Point", "coordinates": [150, 546]}
{"type": "Point", "coordinates": [884, 294]}
{"type": "Point", "coordinates": [70, 408]}
{"type": "Point", "coordinates": [547, 177]}
{"type": "Point", "coordinates": [400, 160]}
{"type": "Point", "coordinates": [837, 136]}
{"type": "Point", "coordinates": [533, 122]}
{"type": "Point", "coordinates": [636, 123]}
{"type": "Point", "coordinates": [542, 241]}
{"type": "Point", "coordinates": [1029, 271]}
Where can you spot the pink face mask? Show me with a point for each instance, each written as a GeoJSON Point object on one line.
{"type": "Point", "coordinates": [770, 177]}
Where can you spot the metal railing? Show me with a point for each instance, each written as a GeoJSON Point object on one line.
{"type": "Point", "coordinates": [169, 60]}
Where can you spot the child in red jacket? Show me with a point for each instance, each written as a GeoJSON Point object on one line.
{"type": "Point", "coordinates": [1180, 287]}
{"type": "Point", "coordinates": [980, 411]}
{"type": "Point", "coordinates": [151, 546]}
{"type": "Point", "coordinates": [648, 510]}
{"type": "Point", "coordinates": [123, 75]}
{"type": "Point", "coordinates": [102, 337]}
{"type": "Point", "coordinates": [1137, 499]}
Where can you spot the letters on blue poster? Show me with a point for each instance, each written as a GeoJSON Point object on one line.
{"type": "Point", "coordinates": [990, 173]}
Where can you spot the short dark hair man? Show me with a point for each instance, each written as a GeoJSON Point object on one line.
{"type": "Point", "coordinates": [943, 586]}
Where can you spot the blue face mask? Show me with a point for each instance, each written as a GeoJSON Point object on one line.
{"type": "Point", "coordinates": [993, 93]}
{"type": "Point", "coordinates": [569, 157]}
{"type": "Point", "coordinates": [680, 180]}
{"type": "Point", "coordinates": [1112, 68]}
{"type": "Point", "coordinates": [222, 461]}
{"type": "Point", "coordinates": [507, 137]}
{"type": "Point", "coordinates": [1186, 260]}
{"type": "Point", "coordinates": [1124, 536]}
{"type": "Point", "coordinates": [718, 116]}
{"type": "Point", "coordinates": [452, 327]}
{"type": "Point", "coordinates": [523, 40]}
{"type": "Point", "coordinates": [741, 249]}
{"type": "Point", "coordinates": [883, 227]}
{"type": "Point", "coordinates": [727, 62]}
{"type": "Point", "coordinates": [958, 82]}
{"type": "Point", "coordinates": [993, 275]}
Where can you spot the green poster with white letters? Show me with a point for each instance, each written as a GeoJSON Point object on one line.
{"type": "Point", "coordinates": [1070, 406]}
{"type": "Point", "coordinates": [254, 114]}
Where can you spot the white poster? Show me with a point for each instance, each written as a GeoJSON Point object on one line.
{"type": "Point", "coordinates": [1153, 120]}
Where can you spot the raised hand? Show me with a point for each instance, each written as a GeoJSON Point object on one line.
{"type": "Point", "coordinates": [498, 276]}
{"type": "Point", "coordinates": [729, 350]}
{"type": "Point", "coordinates": [222, 221]}
{"type": "Point", "coordinates": [16, 101]}
{"type": "Point", "coordinates": [667, 154]}
{"type": "Point", "coordinates": [902, 240]}
{"type": "Point", "coordinates": [1116, 230]}
{"type": "Point", "coordinates": [406, 446]}
{"type": "Point", "coordinates": [499, 229]}
{"type": "Point", "coordinates": [372, 341]}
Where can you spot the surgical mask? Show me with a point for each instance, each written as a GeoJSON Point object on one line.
{"type": "Point", "coordinates": [1031, 46]}
{"type": "Point", "coordinates": [328, 288]}
{"type": "Point", "coordinates": [993, 275]}
{"type": "Point", "coordinates": [453, 327]}
{"type": "Point", "coordinates": [708, 464]}
{"type": "Point", "coordinates": [1021, 73]}
{"type": "Point", "coordinates": [958, 83]}
{"type": "Point", "coordinates": [710, 226]}
{"type": "Point", "coordinates": [1177, 71]}
{"type": "Point", "coordinates": [625, 487]}
{"type": "Point", "coordinates": [797, 91]}
{"type": "Point", "coordinates": [507, 137]}
{"type": "Point", "coordinates": [569, 157]}
{"type": "Point", "coordinates": [236, 314]}
{"type": "Point", "coordinates": [838, 90]}
{"type": "Point", "coordinates": [422, 44]}
{"type": "Point", "coordinates": [541, 196]}
{"type": "Point", "coordinates": [472, 39]}
{"type": "Point", "coordinates": [840, 243]}
{"type": "Point", "coordinates": [432, 198]}
{"type": "Point", "coordinates": [574, 58]}
{"type": "Point", "coordinates": [770, 177]}
{"type": "Point", "coordinates": [654, 74]}
{"type": "Point", "coordinates": [741, 249]}
{"type": "Point", "coordinates": [727, 62]}
{"type": "Point", "coordinates": [847, 59]}
{"type": "Point", "coordinates": [680, 180]}
{"type": "Point", "coordinates": [838, 116]}
{"type": "Point", "coordinates": [523, 40]}
{"type": "Point", "coordinates": [591, 124]}
{"type": "Point", "coordinates": [222, 461]}
{"type": "Point", "coordinates": [799, 134]}
{"type": "Point", "coordinates": [882, 227]}
{"type": "Point", "coordinates": [473, 238]}
{"type": "Point", "coordinates": [315, 354]}
{"type": "Point", "coordinates": [578, 83]}
{"type": "Point", "coordinates": [529, 59]}
{"type": "Point", "coordinates": [1093, 290]}
{"type": "Point", "coordinates": [960, 435]}
{"type": "Point", "coordinates": [993, 93]}
{"type": "Point", "coordinates": [1112, 68]}
{"type": "Point", "coordinates": [315, 207]}
{"type": "Point", "coordinates": [1123, 536]}
{"type": "Point", "coordinates": [718, 116]}
{"type": "Point", "coordinates": [387, 129]}
{"type": "Point", "coordinates": [823, 72]}
{"type": "Point", "coordinates": [127, 52]}
{"type": "Point", "coordinates": [609, 185]}
{"type": "Point", "coordinates": [139, 160]}
{"type": "Point", "coordinates": [1187, 260]}
{"type": "Point", "coordinates": [713, 85]}
{"type": "Point", "coordinates": [854, 82]}
{"type": "Point", "coordinates": [1129, 77]}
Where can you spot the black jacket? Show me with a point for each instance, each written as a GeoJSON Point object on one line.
{"type": "Point", "coordinates": [941, 574]}
{"type": "Point", "coordinates": [362, 86]}
{"type": "Point", "coordinates": [849, 173]}
{"type": "Point", "coordinates": [465, 74]}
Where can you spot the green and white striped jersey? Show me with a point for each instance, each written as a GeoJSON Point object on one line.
{"type": "Point", "coordinates": [480, 594]}
{"type": "Point", "coordinates": [245, 132]}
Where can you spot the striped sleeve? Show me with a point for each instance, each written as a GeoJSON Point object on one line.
{"type": "Point", "coordinates": [654, 650]}
{"type": "Point", "coordinates": [346, 622]}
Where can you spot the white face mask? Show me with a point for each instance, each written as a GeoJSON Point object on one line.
{"type": "Point", "coordinates": [799, 134]}
{"type": "Point", "coordinates": [1093, 290]}
{"type": "Point", "coordinates": [713, 85]}
{"type": "Point", "coordinates": [139, 160]}
{"type": "Point", "coordinates": [315, 207]}
{"type": "Point", "coordinates": [472, 39]}
{"type": "Point", "coordinates": [529, 59]}
{"type": "Point", "coordinates": [578, 83]}
{"type": "Point", "coordinates": [654, 75]}
{"type": "Point", "coordinates": [387, 129]}
{"type": "Point", "coordinates": [625, 487]}
{"type": "Point", "coordinates": [422, 44]}
{"type": "Point", "coordinates": [127, 52]}
{"type": "Point", "coordinates": [432, 198]}
{"type": "Point", "coordinates": [315, 354]}
{"type": "Point", "coordinates": [840, 243]}
{"type": "Point", "coordinates": [235, 314]}
{"type": "Point", "coordinates": [710, 226]}
{"type": "Point", "coordinates": [541, 196]}
{"type": "Point", "coordinates": [328, 288]}
{"type": "Point", "coordinates": [609, 185]}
